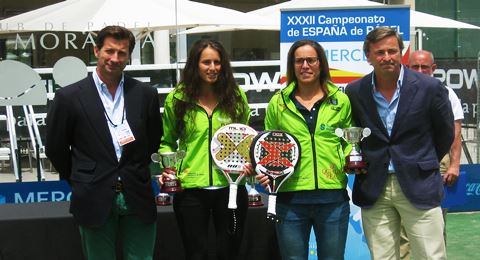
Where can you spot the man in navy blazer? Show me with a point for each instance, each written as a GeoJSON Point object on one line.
{"type": "Point", "coordinates": [411, 121]}
{"type": "Point", "coordinates": [100, 134]}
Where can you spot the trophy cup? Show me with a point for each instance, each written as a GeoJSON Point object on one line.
{"type": "Point", "coordinates": [169, 160]}
{"type": "Point", "coordinates": [162, 199]}
{"type": "Point", "coordinates": [354, 135]}
{"type": "Point", "coordinates": [254, 198]}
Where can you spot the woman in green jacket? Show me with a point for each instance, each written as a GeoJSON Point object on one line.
{"type": "Point", "coordinates": [206, 99]}
{"type": "Point", "coordinates": [311, 107]}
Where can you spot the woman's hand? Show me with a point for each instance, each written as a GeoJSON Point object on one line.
{"type": "Point", "coordinates": [168, 173]}
{"type": "Point", "coordinates": [248, 170]}
{"type": "Point", "coordinates": [263, 179]}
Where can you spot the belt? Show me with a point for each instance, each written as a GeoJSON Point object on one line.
{"type": "Point", "coordinates": [118, 186]}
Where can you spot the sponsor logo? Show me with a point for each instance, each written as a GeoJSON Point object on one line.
{"type": "Point", "coordinates": [41, 196]}
{"type": "Point", "coordinates": [473, 189]}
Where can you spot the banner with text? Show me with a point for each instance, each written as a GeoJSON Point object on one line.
{"type": "Point", "coordinates": [341, 33]}
{"type": "Point", "coordinates": [462, 77]}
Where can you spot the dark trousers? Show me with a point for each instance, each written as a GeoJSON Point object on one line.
{"type": "Point", "coordinates": [195, 208]}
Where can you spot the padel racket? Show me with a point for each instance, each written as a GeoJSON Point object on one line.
{"type": "Point", "coordinates": [230, 149]}
{"type": "Point", "coordinates": [275, 154]}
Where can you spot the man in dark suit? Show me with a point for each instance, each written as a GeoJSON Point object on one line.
{"type": "Point", "coordinates": [100, 134]}
{"type": "Point", "coordinates": [411, 121]}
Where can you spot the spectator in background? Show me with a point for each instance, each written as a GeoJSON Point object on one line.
{"type": "Point", "coordinates": [423, 62]}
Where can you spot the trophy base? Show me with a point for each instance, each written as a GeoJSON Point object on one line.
{"type": "Point", "coordinates": [255, 201]}
{"type": "Point", "coordinates": [163, 199]}
{"type": "Point", "coordinates": [171, 186]}
{"type": "Point", "coordinates": [172, 189]}
{"type": "Point", "coordinates": [355, 165]}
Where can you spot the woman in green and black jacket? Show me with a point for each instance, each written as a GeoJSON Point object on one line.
{"type": "Point", "coordinates": [310, 108]}
{"type": "Point", "coordinates": [206, 99]}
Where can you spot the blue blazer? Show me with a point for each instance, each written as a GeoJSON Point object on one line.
{"type": "Point", "coordinates": [80, 147]}
{"type": "Point", "coordinates": [422, 134]}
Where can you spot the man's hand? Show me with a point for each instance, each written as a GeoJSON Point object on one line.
{"type": "Point", "coordinates": [453, 171]}
{"type": "Point", "coordinates": [451, 175]}
{"type": "Point", "coordinates": [354, 171]}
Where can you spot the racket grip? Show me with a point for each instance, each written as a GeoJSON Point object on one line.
{"type": "Point", "coordinates": [232, 196]}
{"type": "Point", "coordinates": [272, 202]}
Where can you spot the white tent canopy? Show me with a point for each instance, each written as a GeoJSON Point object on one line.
{"type": "Point", "coordinates": [151, 15]}
{"type": "Point", "coordinates": [431, 21]}
{"type": "Point", "coordinates": [272, 13]}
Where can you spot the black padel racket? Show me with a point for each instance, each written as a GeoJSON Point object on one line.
{"type": "Point", "coordinates": [275, 154]}
{"type": "Point", "coordinates": [230, 149]}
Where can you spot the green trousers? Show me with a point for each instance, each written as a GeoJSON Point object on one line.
{"type": "Point", "coordinates": [138, 238]}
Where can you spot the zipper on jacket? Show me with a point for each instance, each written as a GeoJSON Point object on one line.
{"type": "Point", "coordinates": [312, 137]}
{"type": "Point", "coordinates": [210, 160]}
{"type": "Point", "coordinates": [210, 174]}
{"type": "Point", "coordinates": [338, 152]}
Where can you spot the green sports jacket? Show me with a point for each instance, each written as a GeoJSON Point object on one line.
{"type": "Point", "coordinates": [323, 153]}
{"type": "Point", "coordinates": [197, 169]}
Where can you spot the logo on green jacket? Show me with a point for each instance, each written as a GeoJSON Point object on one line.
{"type": "Point", "coordinates": [326, 127]}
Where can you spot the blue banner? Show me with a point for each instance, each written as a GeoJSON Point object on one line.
{"type": "Point", "coordinates": [45, 191]}
{"type": "Point", "coordinates": [465, 194]}
{"type": "Point", "coordinates": [341, 32]}
{"type": "Point", "coordinates": [342, 25]}
{"type": "Point", "coordinates": [455, 195]}
{"type": "Point", "coordinates": [31, 192]}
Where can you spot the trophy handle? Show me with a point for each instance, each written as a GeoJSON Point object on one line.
{"type": "Point", "coordinates": [365, 133]}
{"type": "Point", "coordinates": [180, 154]}
{"type": "Point", "coordinates": [155, 157]}
{"type": "Point", "coordinates": [339, 132]}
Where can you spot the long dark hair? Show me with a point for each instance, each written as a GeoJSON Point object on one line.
{"type": "Point", "coordinates": [322, 58]}
{"type": "Point", "coordinates": [228, 93]}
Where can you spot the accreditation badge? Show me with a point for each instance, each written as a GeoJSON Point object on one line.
{"type": "Point", "coordinates": [124, 134]}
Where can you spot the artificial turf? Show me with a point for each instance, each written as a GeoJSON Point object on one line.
{"type": "Point", "coordinates": [463, 236]}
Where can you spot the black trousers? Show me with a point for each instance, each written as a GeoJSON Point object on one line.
{"type": "Point", "coordinates": [195, 208]}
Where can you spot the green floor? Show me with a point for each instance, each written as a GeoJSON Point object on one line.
{"type": "Point", "coordinates": [463, 236]}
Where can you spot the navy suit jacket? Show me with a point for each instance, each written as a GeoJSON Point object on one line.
{"type": "Point", "coordinates": [422, 134]}
{"type": "Point", "coordinates": [80, 148]}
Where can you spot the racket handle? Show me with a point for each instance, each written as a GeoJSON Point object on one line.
{"type": "Point", "coordinates": [272, 202]}
{"type": "Point", "coordinates": [232, 196]}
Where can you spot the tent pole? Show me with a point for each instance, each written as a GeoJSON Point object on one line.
{"type": "Point", "coordinates": [177, 43]}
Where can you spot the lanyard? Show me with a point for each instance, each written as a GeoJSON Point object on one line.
{"type": "Point", "coordinates": [110, 120]}
{"type": "Point", "coordinates": [106, 115]}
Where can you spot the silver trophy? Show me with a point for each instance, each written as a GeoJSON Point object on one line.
{"type": "Point", "coordinates": [169, 160]}
{"type": "Point", "coordinates": [162, 198]}
{"type": "Point", "coordinates": [254, 198]}
{"type": "Point", "coordinates": [354, 135]}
